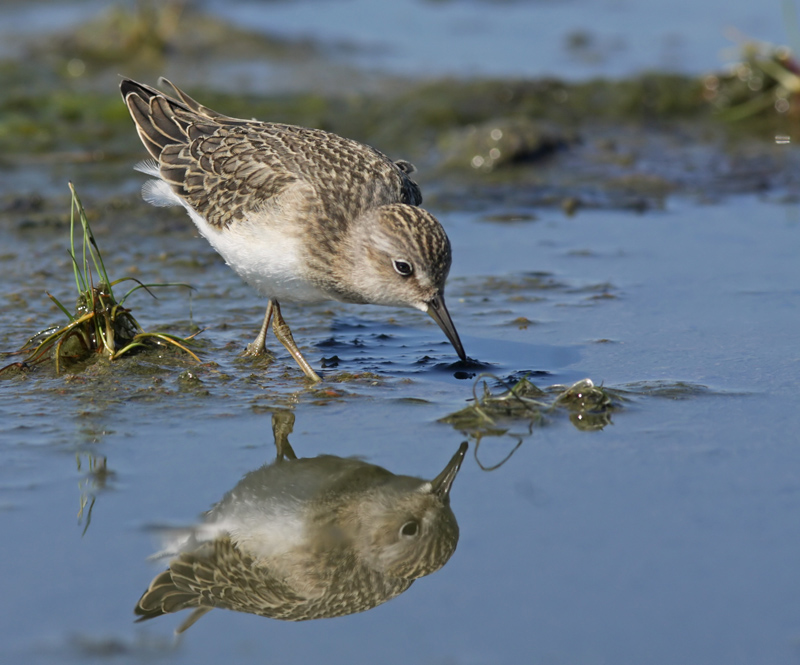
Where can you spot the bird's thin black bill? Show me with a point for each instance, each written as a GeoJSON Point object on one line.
{"type": "Point", "coordinates": [444, 481]}
{"type": "Point", "coordinates": [439, 313]}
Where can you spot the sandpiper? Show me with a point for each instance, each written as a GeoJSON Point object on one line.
{"type": "Point", "coordinates": [300, 214]}
{"type": "Point", "coordinates": [308, 538]}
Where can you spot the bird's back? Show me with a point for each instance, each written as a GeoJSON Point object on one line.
{"type": "Point", "coordinates": [226, 168]}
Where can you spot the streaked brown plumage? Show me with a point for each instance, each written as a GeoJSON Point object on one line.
{"type": "Point", "coordinates": [300, 214]}
{"type": "Point", "coordinates": [310, 538]}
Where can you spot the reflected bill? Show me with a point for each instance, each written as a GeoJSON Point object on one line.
{"type": "Point", "coordinates": [308, 538]}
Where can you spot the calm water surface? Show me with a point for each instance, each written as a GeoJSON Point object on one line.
{"type": "Point", "coordinates": [572, 39]}
{"type": "Point", "coordinates": [668, 536]}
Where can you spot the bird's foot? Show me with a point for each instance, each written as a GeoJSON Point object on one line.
{"type": "Point", "coordinates": [254, 350]}
{"type": "Point", "coordinates": [258, 346]}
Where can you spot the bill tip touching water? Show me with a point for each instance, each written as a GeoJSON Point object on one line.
{"type": "Point", "coordinates": [301, 215]}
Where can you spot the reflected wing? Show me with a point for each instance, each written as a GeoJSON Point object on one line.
{"type": "Point", "coordinates": [216, 574]}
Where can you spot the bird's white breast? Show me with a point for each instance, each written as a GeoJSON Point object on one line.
{"type": "Point", "coordinates": [264, 256]}
{"type": "Point", "coordinates": [264, 249]}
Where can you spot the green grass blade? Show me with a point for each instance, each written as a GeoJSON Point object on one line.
{"type": "Point", "coordinates": [60, 306]}
{"type": "Point", "coordinates": [146, 287]}
{"type": "Point", "coordinates": [170, 339]}
{"type": "Point", "coordinates": [93, 249]}
{"type": "Point", "coordinates": [79, 282]}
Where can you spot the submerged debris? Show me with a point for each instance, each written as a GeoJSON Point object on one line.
{"type": "Point", "coordinates": [100, 325]}
{"type": "Point", "coordinates": [675, 390]}
{"type": "Point", "coordinates": [525, 404]}
{"type": "Point", "coordinates": [589, 406]}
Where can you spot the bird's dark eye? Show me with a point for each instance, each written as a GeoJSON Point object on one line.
{"type": "Point", "coordinates": [410, 529]}
{"type": "Point", "coordinates": [403, 268]}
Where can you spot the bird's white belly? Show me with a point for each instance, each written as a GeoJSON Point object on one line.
{"type": "Point", "coordinates": [263, 250]}
{"type": "Point", "coordinates": [266, 258]}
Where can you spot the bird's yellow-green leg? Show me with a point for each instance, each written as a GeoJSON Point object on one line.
{"type": "Point", "coordinates": [284, 336]}
{"type": "Point", "coordinates": [258, 345]}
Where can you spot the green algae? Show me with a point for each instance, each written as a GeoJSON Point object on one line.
{"type": "Point", "coordinates": [64, 114]}
{"type": "Point", "coordinates": [516, 410]}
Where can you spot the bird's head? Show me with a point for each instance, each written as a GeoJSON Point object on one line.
{"type": "Point", "coordinates": [410, 529]}
{"type": "Point", "coordinates": [403, 257]}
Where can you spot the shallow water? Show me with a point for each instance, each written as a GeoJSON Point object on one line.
{"type": "Point", "coordinates": [667, 536]}
{"type": "Point", "coordinates": [574, 40]}
{"type": "Point", "coordinates": [577, 39]}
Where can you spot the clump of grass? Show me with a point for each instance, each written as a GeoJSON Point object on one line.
{"type": "Point", "coordinates": [497, 414]}
{"type": "Point", "coordinates": [101, 324]}
{"type": "Point", "coordinates": [765, 81]}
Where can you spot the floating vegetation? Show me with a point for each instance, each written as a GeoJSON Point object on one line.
{"type": "Point", "coordinates": [589, 406]}
{"type": "Point", "coordinates": [675, 390]}
{"type": "Point", "coordinates": [524, 404]}
{"type": "Point", "coordinates": [765, 81]}
{"type": "Point", "coordinates": [101, 324]}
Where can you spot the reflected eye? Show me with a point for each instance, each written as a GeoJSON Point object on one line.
{"type": "Point", "coordinates": [410, 529]}
{"type": "Point", "coordinates": [403, 268]}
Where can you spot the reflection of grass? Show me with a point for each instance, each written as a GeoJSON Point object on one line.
{"type": "Point", "coordinates": [101, 325]}
{"type": "Point", "coordinates": [96, 479]}
{"type": "Point", "coordinates": [495, 414]}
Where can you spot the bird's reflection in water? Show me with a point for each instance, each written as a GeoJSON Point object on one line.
{"type": "Point", "coordinates": [308, 539]}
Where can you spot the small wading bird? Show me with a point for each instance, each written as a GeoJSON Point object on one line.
{"type": "Point", "coordinates": [300, 214]}
{"type": "Point", "coordinates": [308, 538]}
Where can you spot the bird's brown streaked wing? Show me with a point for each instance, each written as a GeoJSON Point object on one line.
{"type": "Point", "coordinates": [193, 104]}
{"type": "Point", "coordinates": [218, 165]}
{"type": "Point", "coordinates": [410, 192]}
{"type": "Point", "coordinates": [215, 575]}
{"type": "Point", "coordinates": [224, 167]}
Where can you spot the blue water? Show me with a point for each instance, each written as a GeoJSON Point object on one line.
{"type": "Point", "coordinates": [524, 38]}
{"type": "Point", "coordinates": [669, 536]}
{"type": "Point", "coordinates": [572, 39]}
